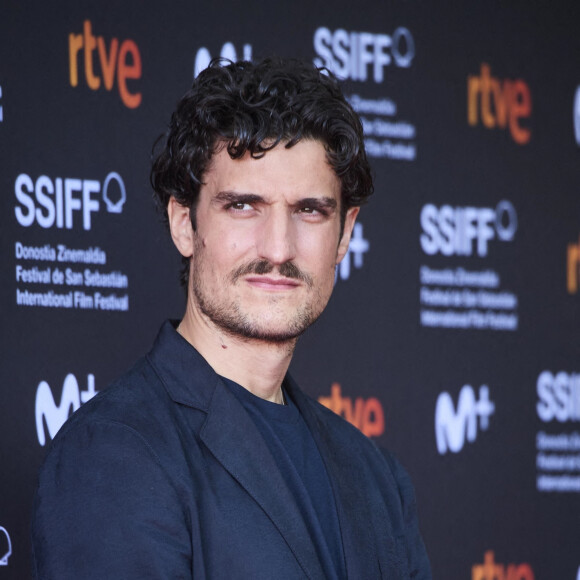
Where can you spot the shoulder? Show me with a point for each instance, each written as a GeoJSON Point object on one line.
{"type": "Point", "coordinates": [134, 417]}
{"type": "Point", "coordinates": [113, 413]}
{"type": "Point", "coordinates": [123, 401]}
{"type": "Point", "coordinates": [125, 436]}
{"type": "Point", "coordinates": [109, 476]}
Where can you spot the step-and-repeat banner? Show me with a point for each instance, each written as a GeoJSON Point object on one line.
{"type": "Point", "coordinates": [452, 336]}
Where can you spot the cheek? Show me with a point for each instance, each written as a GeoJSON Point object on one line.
{"type": "Point", "coordinates": [323, 264]}
{"type": "Point", "coordinates": [330, 255]}
{"type": "Point", "coordinates": [319, 244]}
{"type": "Point", "coordinates": [235, 240]}
{"type": "Point", "coordinates": [223, 252]}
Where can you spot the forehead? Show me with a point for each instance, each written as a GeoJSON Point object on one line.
{"type": "Point", "coordinates": [300, 171]}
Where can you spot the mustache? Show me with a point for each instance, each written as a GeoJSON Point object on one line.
{"type": "Point", "coordinates": [260, 267]}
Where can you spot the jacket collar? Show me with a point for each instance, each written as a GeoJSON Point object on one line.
{"type": "Point", "coordinates": [232, 437]}
{"type": "Point", "coordinates": [186, 375]}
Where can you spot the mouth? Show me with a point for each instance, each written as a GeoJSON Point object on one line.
{"type": "Point", "coordinates": [273, 284]}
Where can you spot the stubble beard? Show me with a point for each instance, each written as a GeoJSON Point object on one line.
{"type": "Point", "coordinates": [229, 317]}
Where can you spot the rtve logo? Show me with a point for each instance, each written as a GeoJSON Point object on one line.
{"type": "Point", "coordinates": [54, 202]}
{"type": "Point", "coordinates": [451, 426]}
{"type": "Point", "coordinates": [349, 54]}
{"type": "Point", "coordinates": [453, 230]}
{"type": "Point", "coordinates": [357, 248]}
{"type": "Point", "coordinates": [123, 58]}
{"type": "Point", "coordinates": [47, 411]}
{"type": "Point", "coordinates": [489, 570]}
{"type": "Point", "coordinates": [228, 51]}
{"type": "Point", "coordinates": [559, 396]}
{"type": "Point", "coordinates": [367, 416]}
{"type": "Point", "coordinates": [501, 104]}
{"type": "Point", "coordinates": [573, 270]}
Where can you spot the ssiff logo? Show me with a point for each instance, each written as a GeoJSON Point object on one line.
{"type": "Point", "coordinates": [452, 426]}
{"type": "Point", "coordinates": [500, 104]}
{"type": "Point", "coordinates": [489, 570]}
{"type": "Point", "coordinates": [558, 396]}
{"type": "Point", "coordinates": [55, 202]}
{"type": "Point", "coordinates": [5, 546]}
{"type": "Point", "coordinates": [349, 54]}
{"type": "Point", "coordinates": [367, 416]}
{"type": "Point", "coordinates": [573, 269]}
{"type": "Point", "coordinates": [122, 58]}
{"type": "Point", "coordinates": [47, 411]}
{"type": "Point", "coordinates": [463, 231]}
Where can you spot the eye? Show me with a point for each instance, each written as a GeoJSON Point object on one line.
{"type": "Point", "coordinates": [239, 206]}
{"type": "Point", "coordinates": [309, 210]}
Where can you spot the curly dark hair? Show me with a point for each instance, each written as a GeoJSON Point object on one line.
{"type": "Point", "coordinates": [249, 107]}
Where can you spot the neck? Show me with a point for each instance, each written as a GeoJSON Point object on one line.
{"type": "Point", "coordinates": [257, 365]}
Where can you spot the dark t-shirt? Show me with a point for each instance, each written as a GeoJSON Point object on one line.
{"type": "Point", "coordinates": [301, 465]}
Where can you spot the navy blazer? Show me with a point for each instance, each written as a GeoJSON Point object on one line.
{"type": "Point", "coordinates": [165, 475]}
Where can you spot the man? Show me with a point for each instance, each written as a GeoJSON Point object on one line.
{"type": "Point", "coordinates": [206, 460]}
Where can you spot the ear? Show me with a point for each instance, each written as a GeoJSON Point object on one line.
{"type": "Point", "coordinates": [349, 220]}
{"type": "Point", "coordinates": [180, 226]}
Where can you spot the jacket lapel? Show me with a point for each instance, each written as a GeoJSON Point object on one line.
{"type": "Point", "coordinates": [234, 440]}
{"type": "Point", "coordinates": [230, 434]}
{"type": "Point", "coordinates": [347, 480]}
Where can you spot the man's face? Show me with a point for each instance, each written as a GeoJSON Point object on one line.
{"type": "Point", "coordinates": [267, 242]}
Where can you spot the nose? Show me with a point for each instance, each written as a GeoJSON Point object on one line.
{"type": "Point", "coordinates": [277, 238]}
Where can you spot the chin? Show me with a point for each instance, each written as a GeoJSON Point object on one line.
{"type": "Point", "coordinates": [275, 331]}
{"type": "Point", "coordinates": [271, 333]}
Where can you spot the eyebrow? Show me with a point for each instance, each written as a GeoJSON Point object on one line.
{"type": "Point", "coordinates": [234, 197]}
{"type": "Point", "coordinates": [327, 203]}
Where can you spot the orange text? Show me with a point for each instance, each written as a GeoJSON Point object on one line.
{"type": "Point", "coordinates": [489, 570]}
{"type": "Point", "coordinates": [366, 415]}
{"type": "Point", "coordinates": [123, 59]}
{"type": "Point", "coordinates": [500, 104]}
{"type": "Point", "coordinates": [573, 267]}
